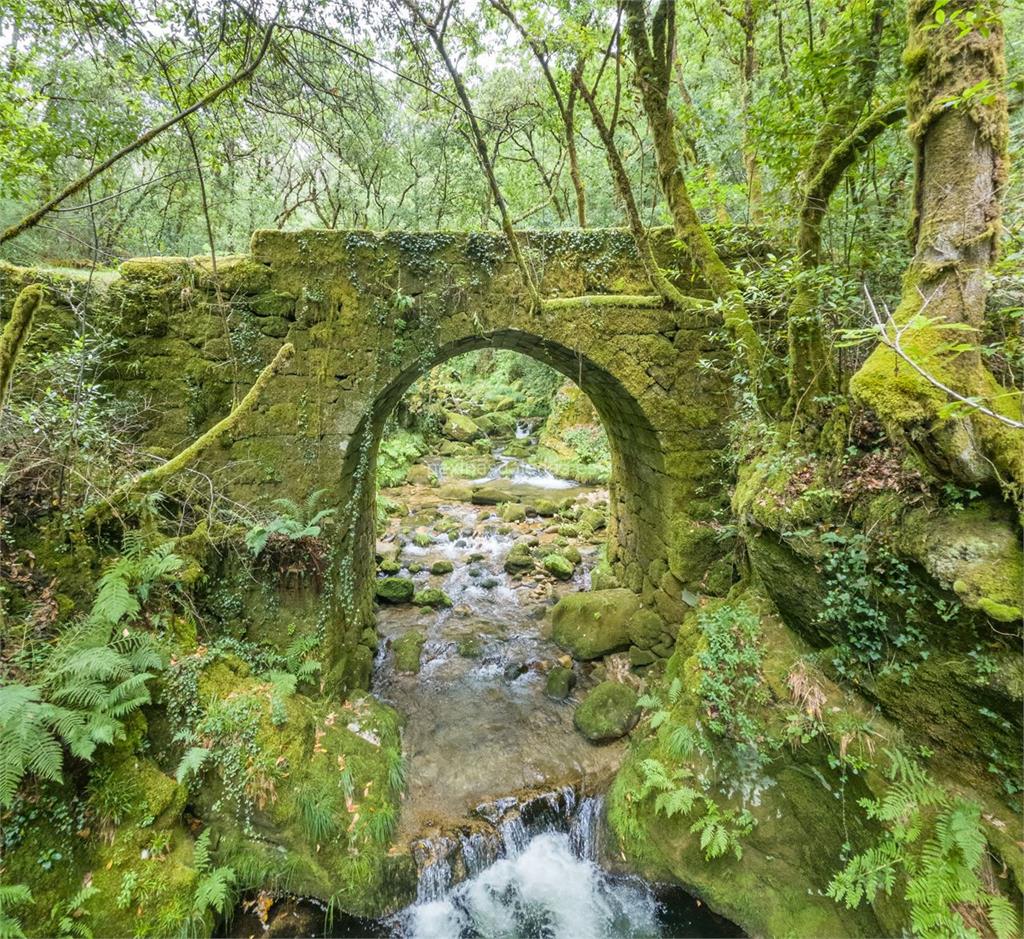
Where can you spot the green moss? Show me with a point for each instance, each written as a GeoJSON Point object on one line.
{"type": "Point", "coordinates": [432, 597]}
{"type": "Point", "coordinates": [394, 589]}
{"type": "Point", "coordinates": [518, 559]}
{"type": "Point", "coordinates": [559, 566]}
{"type": "Point", "coordinates": [608, 712]}
{"type": "Point", "coordinates": [408, 648]}
{"type": "Point", "coordinates": [590, 625]}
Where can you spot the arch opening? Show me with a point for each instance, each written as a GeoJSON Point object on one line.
{"type": "Point", "coordinates": [638, 500]}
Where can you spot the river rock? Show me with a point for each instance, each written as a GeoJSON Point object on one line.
{"type": "Point", "coordinates": [590, 625]}
{"type": "Point", "coordinates": [518, 559]}
{"type": "Point", "coordinates": [432, 597]}
{"type": "Point", "coordinates": [512, 512]}
{"type": "Point", "coordinates": [559, 567]}
{"type": "Point", "coordinates": [420, 475]}
{"type": "Point", "coordinates": [610, 711]}
{"type": "Point", "coordinates": [571, 553]}
{"type": "Point", "coordinates": [456, 492]}
{"type": "Point", "coordinates": [408, 649]}
{"type": "Point", "coordinates": [469, 647]}
{"type": "Point", "coordinates": [545, 508]}
{"type": "Point", "coordinates": [442, 567]}
{"type": "Point", "coordinates": [647, 629]}
{"type": "Point", "coordinates": [394, 589]}
{"type": "Point", "coordinates": [560, 683]}
{"type": "Point", "coordinates": [460, 428]}
{"type": "Point", "coordinates": [491, 495]}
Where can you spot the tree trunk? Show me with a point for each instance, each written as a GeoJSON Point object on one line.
{"type": "Point", "coordinates": [15, 333]}
{"type": "Point", "coordinates": [960, 156]}
{"type": "Point", "coordinates": [811, 370]}
{"type": "Point", "coordinates": [483, 156]}
{"type": "Point", "coordinates": [653, 71]}
{"type": "Point", "coordinates": [624, 190]}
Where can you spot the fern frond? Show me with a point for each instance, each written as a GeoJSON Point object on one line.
{"type": "Point", "coordinates": [1003, 917]}
{"type": "Point", "coordinates": [191, 763]}
{"type": "Point", "coordinates": [676, 801]}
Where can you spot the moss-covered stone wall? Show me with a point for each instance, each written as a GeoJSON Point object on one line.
{"type": "Point", "coordinates": [368, 313]}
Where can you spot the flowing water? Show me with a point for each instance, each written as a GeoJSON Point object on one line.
{"type": "Point", "coordinates": [503, 812]}
{"type": "Point", "coordinates": [479, 725]}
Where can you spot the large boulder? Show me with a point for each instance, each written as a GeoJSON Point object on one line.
{"type": "Point", "coordinates": [492, 495]}
{"type": "Point", "coordinates": [408, 649]}
{"type": "Point", "coordinates": [394, 589]}
{"type": "Point", "coordinates": [610, 711]}
{"type": "Point", "coordinates": [460, 428]}
{"type": "Point", "coordinates": [590, 625]}
{"type": "Point", "coordinates": [519, 559]}
{"type": "Point", "coordinates": [560, 682]}
{"type": "Point", "coordinates": [559, 567]}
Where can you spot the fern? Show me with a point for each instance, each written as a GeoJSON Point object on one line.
{"type": "Point", "coordinates": [676, 801]}
{"type": "Point", "coordinates": [12, 895]}
{"type": "Point", "coordinates": [191, 763]}
{"type": "Point", "coordinates": [28, 741]}
{"type": "Point", "coordinates": [942, 872]}
{"type": "Point", "coordinates": [214, 891]}
{"type": "Point", "coordinates": [70, 918]}
{"type": "Point", "coordinates": [721, 829]}
{"type": "Point", "coordinates": [95, 676]}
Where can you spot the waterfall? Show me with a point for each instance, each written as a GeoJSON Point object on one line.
{"type": "Point", "coordinates": [528, 869]}
{"type": "Point", "coordinates": [508, 826]}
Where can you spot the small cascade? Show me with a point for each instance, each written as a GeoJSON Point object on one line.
{"type": "Point", "coordinates": [508, 827]}
{"type": "Point", "coordinates": [435, 863]}
{"type": "Point", "coordinates": [585, 829]}
{"type": "Point", "coordinates": [524, 429]}
{"type": "Point", "coordinates": [480, 849]}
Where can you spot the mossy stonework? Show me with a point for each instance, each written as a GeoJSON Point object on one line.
{"type": "Point", "coordinates": [369, 313]}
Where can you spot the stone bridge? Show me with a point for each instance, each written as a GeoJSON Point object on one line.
{"type": "Point", "coordinates": [370, 313]}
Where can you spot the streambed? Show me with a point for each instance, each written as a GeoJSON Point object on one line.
{"type": "Point", "coordinates": [503, 808]}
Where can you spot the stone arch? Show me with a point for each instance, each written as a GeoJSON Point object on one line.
{"type": "Point", "coordinates": [637, 493]}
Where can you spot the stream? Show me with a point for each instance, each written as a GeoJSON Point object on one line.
{"type": "Point", "coordinates": [503, 809]}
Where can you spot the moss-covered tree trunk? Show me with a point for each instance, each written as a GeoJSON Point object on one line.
{"type": "Point", "coordinates": [957, 112]}
{"type": "Point", "coordinates": [845, 133]}
{"type": "Point", "coordinates": [15, 333]}
{"type": "Point", "coordinates": [653, 73]}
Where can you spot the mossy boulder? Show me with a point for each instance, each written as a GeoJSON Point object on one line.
{"type": "Point", "coordinates": [519, 559]}
{"type": "Point", "coordinates": [571, 553]}
{"type": "Point", "coordinates": [647, 629]}
{"type": "Point", "coordinates": [408, 650]}
{"type": "Point", "coordinates": [440, 568]}
{"type": "Point", "coordinates": [460, 428]}
{"type": "Point", "coordinates": [389, 566]}
{"type": "Point", "coordinates": [559, 683]}
{"type": "Point", "coordinates": [559, 567]}
{"type": "Point", "coordinates": [590, 625]}
{"type": "Point", "coordinates": [512, 512]}
{"type": "Point", "coordinates": [394, 589]}
{"type": "Point", "coordinates": [608, 712]}
{"type": "Point", "coordinates": [469, 647]}
{"type": "Point", "coordinates": [432, 597]}
{"type": "Point", "coordinates": [420, 475]}
{"type": "Point", "coordinates": [492, 495]}
{"type": "Point", "coordinates": [545, 508]}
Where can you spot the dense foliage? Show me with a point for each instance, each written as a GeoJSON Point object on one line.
{"type": "Point", "coordinates": [170, 686]}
